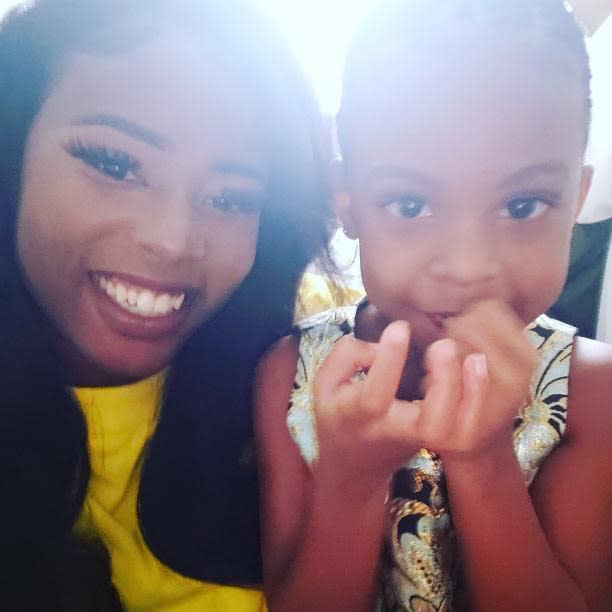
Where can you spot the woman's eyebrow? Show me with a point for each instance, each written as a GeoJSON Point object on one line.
{"type": "Point", "coordinates": [239, 168]}
{"type": "Point", "coordinates": [132, 129]}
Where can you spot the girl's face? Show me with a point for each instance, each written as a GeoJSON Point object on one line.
{"type": "Point", "coordinates": [465, 181]}
{"type": "Point", "coordinates": [143, 179]}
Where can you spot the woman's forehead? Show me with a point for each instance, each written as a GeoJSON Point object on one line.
{"type": "Point", "coordinates": [170, 83]}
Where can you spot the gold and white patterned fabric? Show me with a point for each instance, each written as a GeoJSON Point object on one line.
{"type": "Point", "coordinates": [421, 570]}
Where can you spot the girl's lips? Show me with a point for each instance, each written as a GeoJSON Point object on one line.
{"type": "Point", "coordinates": [440, 319]}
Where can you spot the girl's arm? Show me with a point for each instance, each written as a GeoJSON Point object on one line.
{"type": "Point", "coordinates": [321, 540]}
{"type": "Point", "coordinates": [554, 553]}
{"type": "Point", "coordinates": [509, 564]}
{"type": "Point", "coordinates": [573, 493]}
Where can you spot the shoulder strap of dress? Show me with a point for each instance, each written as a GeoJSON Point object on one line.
{"type": "Point", "coordinates": [542, 422]}
{"type": "Point", "coordinates": [318, 335]}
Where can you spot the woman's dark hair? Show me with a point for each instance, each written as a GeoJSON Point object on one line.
{"type": "Point", "coordinates": [198, 498]}
{"type": "Point", "coordinates": [393, 24]}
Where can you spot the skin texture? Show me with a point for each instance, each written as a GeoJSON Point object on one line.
{"type": "Point", "coordinates": [171, 205]}
{"type": "Point", "coordinates": [463, 187]}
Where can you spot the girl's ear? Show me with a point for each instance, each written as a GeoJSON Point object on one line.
{"type": "Point", "coordinates": [342, 200]}
{"type": "Point", "coordinates": [585, 185]}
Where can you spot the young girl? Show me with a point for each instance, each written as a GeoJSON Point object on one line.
{"type": "Point", "coordinates": [162, 188]}
{"type": "Point", "coordinates": [463, 128]}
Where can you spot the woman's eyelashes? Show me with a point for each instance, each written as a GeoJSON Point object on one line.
{"type": "Point", "coordinates": [236, 202]}
{"type": "Point", "coordinates": [406, 207]}
{"type": "Point", "coordinates": [114, 164]}
{"type": "Point", "coordinates": [120, 167]}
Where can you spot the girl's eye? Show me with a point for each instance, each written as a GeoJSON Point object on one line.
{"type": "Point", "coordinates": [408, 208]}
{"type": "Point", "coordinates": [525, 208]}
{"type": "Point", "coordinates": [114, 164]}
{"type": "Point", "coordinates": [237, 203]}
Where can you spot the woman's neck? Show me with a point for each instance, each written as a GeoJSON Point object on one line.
{"type": "Point", "coordinates": [79, 371]}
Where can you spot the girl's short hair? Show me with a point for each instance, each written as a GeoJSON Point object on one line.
{"type": "Point", "coordinates": [549, 23]}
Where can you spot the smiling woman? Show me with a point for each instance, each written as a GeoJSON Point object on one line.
{"type": "Point", "coordinates": [151, 217]}
{"type": "Point", "coordinates": [162, 188]}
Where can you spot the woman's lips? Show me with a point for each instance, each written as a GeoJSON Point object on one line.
{"type": "Point", "coordinates": [140, 308]}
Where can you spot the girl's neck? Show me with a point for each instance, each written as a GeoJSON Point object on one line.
{"type": "Point", "coordinates": [369, 326]}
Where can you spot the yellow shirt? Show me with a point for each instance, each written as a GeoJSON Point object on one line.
{"type": "Point", "coordinates": [120, 421]}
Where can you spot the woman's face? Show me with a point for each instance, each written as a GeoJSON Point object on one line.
{"type": "Point", "coordinates": [143, 178]}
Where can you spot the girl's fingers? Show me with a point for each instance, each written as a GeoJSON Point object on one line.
{"type": "Point", "coordinates": [495, 331]}
{"type": "Point", "coordinates": [444, 371]}
{"type": "Point", "coordinates": [400, 424]}
{"type": "Point", "coordinates": [348, 356]}
{"type": "Point", "coordinates": [492, 326]}
{"type": "Point", "coordinates": [475, 375]}
{"type": "Point", "coordinates": [380, 386]}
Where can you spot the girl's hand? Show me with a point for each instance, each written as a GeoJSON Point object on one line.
{"type": "Point", "coordinates": [365, 434]}
{"type": "Point", "coordinates": [492, 384]}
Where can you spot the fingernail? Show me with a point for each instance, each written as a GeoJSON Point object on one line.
{"type": "Point", "coordinates": [397, 331]}
{"type": "Point", "coordinates": [447, 348]}
{"type": "Point", "coordinates": [479, 365]}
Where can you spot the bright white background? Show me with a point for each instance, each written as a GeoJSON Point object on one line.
{"type": "Point", "coordinates": [318, 30]}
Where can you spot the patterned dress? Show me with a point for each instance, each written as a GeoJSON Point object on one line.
{"type": "Point", "coordinates": [421, 572]}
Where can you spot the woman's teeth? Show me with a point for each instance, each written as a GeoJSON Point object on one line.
{"type": "Point", "coordinates": [139, 301]}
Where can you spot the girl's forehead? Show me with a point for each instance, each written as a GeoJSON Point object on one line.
{"type": "Point", "coordinates": [469, 107]}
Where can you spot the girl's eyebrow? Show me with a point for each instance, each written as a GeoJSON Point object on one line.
{"type": "Point", "coordinates": [554, 169]}
{"type": "Point", "coordinates": [132, 129]}
{"type": "Point", "coordinates": [383, 171]}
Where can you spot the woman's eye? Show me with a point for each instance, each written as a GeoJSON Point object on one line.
{"type": "Point", "coordinates": [408, 208]}
{"type": "Point", "coordinates": [114, 164]}
{"type": "Point", "coordinates": [525, 208]}
{"type": "Point", "coordinates": [236, 203]}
